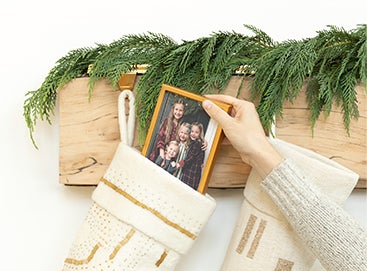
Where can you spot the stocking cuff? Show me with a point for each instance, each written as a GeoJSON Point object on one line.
{"type": "Point", "coordinates": [153, 201]}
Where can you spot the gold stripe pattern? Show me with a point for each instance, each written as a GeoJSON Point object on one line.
{"type": "Point", "coordinates": [256, 241]}
{"type": "Point", "coordinates": [246, 233]}
{"type": "Point", "coordinates": [161, 259]}
{"type": "Point", "coordinates": [122, 243]}
{"type": "Point", "coordinates": [85, 261]}
{"type": "Point", "coordinates": [284, 265]}
{"type": "Point", "coordinates": [144, 206]}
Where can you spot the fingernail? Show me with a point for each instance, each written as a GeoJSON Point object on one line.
{"type": "Point", "coordinates": [207, 104]}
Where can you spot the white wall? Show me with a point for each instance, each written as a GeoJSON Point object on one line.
{"type": "Point", "coordinates": [39, 216]}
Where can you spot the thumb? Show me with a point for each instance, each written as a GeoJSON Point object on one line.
{"type": "Point", "coordinates": [215, 112]}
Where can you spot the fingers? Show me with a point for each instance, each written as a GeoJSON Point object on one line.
{"type": "Point", "coordinates": [215, 112]}
{"type": "Point", "coordinates": [239, 107]}
{"type": "Point", "coordinates": [222, 98]}
{"type": "Point", "coordinates": [226, 99]}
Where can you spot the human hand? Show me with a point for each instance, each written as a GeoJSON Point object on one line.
{"type": "Point", "coordinates": [245, 132]}
{"type": "Point", "coordinates": [204, 145]}
{"type": "Point", "coordinates": [162, 153]}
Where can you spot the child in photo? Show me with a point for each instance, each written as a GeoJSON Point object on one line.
{"type": "Point", "coordinates": [193, 163]}
{"type": "Point", "coordinates": [168, 129]}
{"type": "Point", "coordinates": [168, 163]}
{"type": "Point", "coordinates": [183, 138]}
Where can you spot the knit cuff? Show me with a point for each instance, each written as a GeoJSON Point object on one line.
{"type": "Point", "coordinates": [147, 197]}
{"type": "Point", "coordinates": [282, 185]}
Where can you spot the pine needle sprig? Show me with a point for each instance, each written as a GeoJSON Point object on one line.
{"type": "Point", "coordinates": [261, 37]}
{"type": "Point", "coordinates": [315, 100]}
{"type": "Point", "coordinates": [338, 70]}
{"type": "Point", "coordinates": [124, 54]}
{"type": "Point", "coordinates": [40, 103]}
{"type": "Point", "coordinates": [349, 99]}
{"type": "Point", "coordinates": [280, 74]}
{"type": "Point", "coordinates": [148, 89]}
{"type": "Point", "coordinates": [228, 56]}
{"type": "Point", "coordinates": [361, 64]}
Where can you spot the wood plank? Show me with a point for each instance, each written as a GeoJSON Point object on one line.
{"type": "Point", "coordinates": [89, 131]}
{"type": "Point", "coordinates": [330, 137]}
{"type": "Point", "coordinates": [89, 135]}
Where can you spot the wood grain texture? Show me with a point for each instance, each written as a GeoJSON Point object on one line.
{"type": "Point", "coordinates": [89, 132]}
{"type": "Point", "coordinates": [330, 137]}
{"type": "Point", "coordinates": [89, 135]}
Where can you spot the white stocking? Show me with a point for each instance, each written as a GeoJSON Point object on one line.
{"type": "Point", "coordinates": [142, 218]}
{"type": "Point", "coordinates": [263, 239]}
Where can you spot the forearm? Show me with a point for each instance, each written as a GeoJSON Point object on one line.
{"type": "Point", "coordinates": [329, 232]}
{"type": "Point", "coordinates": [264, 158]}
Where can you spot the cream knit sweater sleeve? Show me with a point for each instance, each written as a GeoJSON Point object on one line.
{"type": "Point", "coordinates": [331, 234]}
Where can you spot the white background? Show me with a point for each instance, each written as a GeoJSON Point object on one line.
{"type": "Point", "coordinates": [40, 217]}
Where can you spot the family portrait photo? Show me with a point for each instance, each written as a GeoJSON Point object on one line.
{"type": "Point", "coordinates": [182, 138]}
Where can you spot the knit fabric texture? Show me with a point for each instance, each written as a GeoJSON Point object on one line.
{"type": "Point", "coordinates": [264, 239]}
{"type": "Point", "coordinates": [142, 218]}
{"type": "Point", "coordinates": [343, 245]}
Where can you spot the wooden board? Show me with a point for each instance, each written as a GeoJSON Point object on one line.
{"type": "Point", "coordinates": [330, 137]}
{"type": "Point", "coordinates": [89, 131]}
{"type": "Point", "coordinates": [89, 135]}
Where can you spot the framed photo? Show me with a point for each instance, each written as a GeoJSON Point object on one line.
{"type": "Point", "coordinates": [182, 138]}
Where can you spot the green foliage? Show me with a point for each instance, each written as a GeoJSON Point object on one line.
{"type": "Point", "coordinates": [201, 66]}
{"type": "Point", "coordinates": [124, 54]}
{"type": "Point", "coordinates": [340, 65]}
{"type": "Point", "coordinates": [280, 74]}
{"type": "Point", "coordinates": [40, 103]}
{"type": "Point", "coordinates": [332, 63]}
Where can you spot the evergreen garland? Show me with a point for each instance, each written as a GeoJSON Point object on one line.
{"type": "Point", "coordinates": [332, 63]}
{"type": "Point", "coordinates": [40, 103]}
